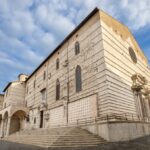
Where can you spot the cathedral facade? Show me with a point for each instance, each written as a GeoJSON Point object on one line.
{"type": "Point", "coordinates": [98, 78]}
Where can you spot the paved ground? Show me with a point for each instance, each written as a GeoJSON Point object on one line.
{"type": "Point", "coordinates": [138, 144]}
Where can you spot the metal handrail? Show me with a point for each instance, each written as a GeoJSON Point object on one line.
{"type": "Point", "coordinates": [113, 117]}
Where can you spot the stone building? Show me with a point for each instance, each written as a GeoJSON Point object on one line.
{"type": "Point", "coordinates": [1, 100]}
{"type": "Point", "coordinates": [98, 78]}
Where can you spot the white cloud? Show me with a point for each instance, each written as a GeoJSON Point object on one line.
{"type": "Point", "coordinates": [134, 14]}
{"type": "Point", "coordinates": [30, 29]}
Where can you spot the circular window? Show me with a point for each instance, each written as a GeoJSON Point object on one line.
{"type": "Point", "coordinates": [132, 55]}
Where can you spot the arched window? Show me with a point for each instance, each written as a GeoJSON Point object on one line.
{"type": "Point", "coordinates": [77, 48]}
{"type": "Point", "coordinates": [78, 79]}
{"type": "Point", "coordinates": [57, 89]}
{"type": "Point", "coordinates": [57, 63]}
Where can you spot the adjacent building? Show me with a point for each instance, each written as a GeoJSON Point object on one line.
{"type": "Point", "coordinates": [98, 78]}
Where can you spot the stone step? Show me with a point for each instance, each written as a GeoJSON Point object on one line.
{"type": "Point", "coordinates": [50, 131]}
{"type": "Point", "coordinates": [58, 144]}
{"type": "Point", "coordinates": [58, 137]}
{"type": "Point", "coordinates": [64, 139]}
{"type": "Point", "coordinates": [59, 141]}
{"type": "Point", "coordinates": [42, 133]}
{"type": "Point", "coordinates": [53, 136]}
{"type": "Point", "coordinates": [50, 139]}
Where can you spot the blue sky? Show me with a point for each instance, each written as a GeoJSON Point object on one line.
{"type": "Point", "coordinates": [31, 29]}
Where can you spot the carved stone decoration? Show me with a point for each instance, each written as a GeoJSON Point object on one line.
{"type": "Point", "coordinates": [138, 82]}
{"type": "Point", "coordinates": [146, 93]}
{"type": "Point", "coordinates": [43, 106]}
{"type": "Point", "coordinates": [142, 94]}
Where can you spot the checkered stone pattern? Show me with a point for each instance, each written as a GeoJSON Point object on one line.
{"type": "Point", "coordinates": [56, 116]}
{"type": "Point", "coordinates": [80, 109]}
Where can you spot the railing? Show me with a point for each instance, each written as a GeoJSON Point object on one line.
{"type": "Point", "coordinates": [113, 117]}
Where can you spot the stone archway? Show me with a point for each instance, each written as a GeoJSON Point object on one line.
{"type": "Point", "coordinates": [16, 122]}
{"type": "Point", "coordinates": [4, 130]}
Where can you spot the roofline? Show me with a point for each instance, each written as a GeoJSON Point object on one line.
{"type": "Point", "coordinates": [129, 32]}
{"type": "Point", "coordinates": [57, 48]}
{"type": "Point", "coordinates": [7, 86]}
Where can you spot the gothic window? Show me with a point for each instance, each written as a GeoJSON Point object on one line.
{"type": "Point", "coordinates": [77, 48]}
{"type": "Point", "coordinates": [57, 64]}
{"type": "Point", "coordinates": [78, 78]}
{"type": "Point", "coordinates": [57, 90]}
{"type": "Point", "coordinates": [44, 75]}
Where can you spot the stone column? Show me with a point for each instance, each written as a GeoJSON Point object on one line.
{"type": "Point", "coordinates": [2, 128]}
{"type": "Point", "coordinates": [8, 126]}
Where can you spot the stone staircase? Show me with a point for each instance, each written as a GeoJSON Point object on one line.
{"type": "Point", "coordinates": [57, 137]}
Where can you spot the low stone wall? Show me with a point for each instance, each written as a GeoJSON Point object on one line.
{"type": "Point", "coordinates": [119, 131]}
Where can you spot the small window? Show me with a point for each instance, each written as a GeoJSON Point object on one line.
{"type": "Point", "coordinates": [44, 75]}
{"type": "Point", "coordinates": [77, 48]}
{"type": "Point", "coordinates": [57, 64]}
{"type": "Point", "coordinates": [57, 90]}
{"type": "Point", "coordinates": [78, 78]}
